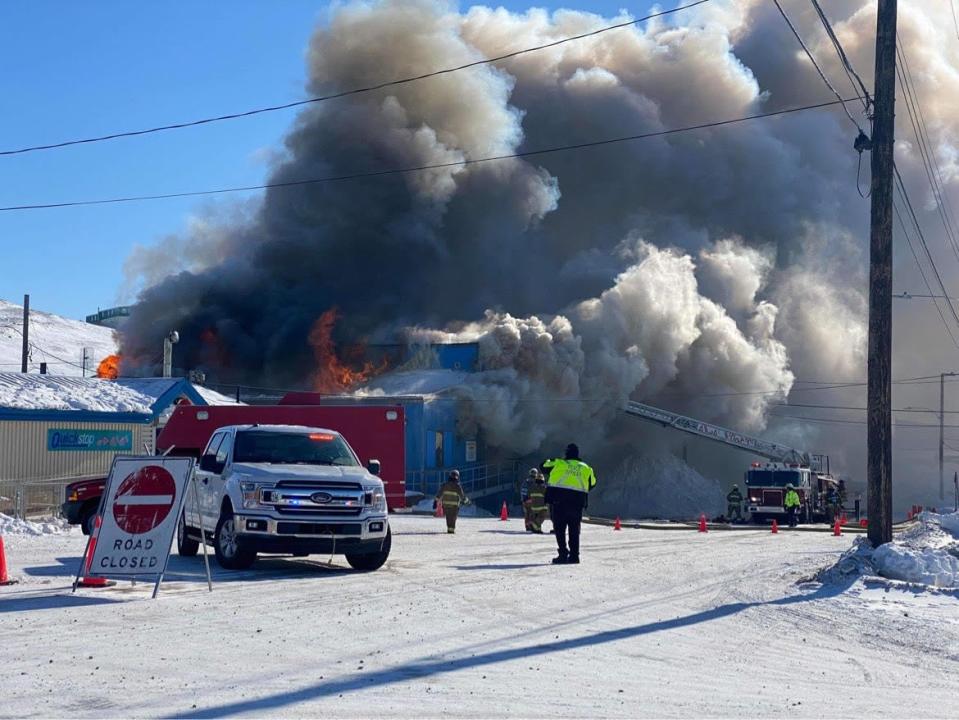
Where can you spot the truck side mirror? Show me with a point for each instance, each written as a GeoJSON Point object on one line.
{"type": "Point", "coordinates": [374, 467]}
{"type": "Point", "coordinates": [208, 463]}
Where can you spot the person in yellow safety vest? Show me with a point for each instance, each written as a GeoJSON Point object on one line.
{"type": "Point", "coordinates": [451, 496]}
{"type": "Point", "coordinates": [538, 510]}
{"type": "Point", "coordinates": [791, 503]}
{"type": "Point", "coordinates": [567, 495]}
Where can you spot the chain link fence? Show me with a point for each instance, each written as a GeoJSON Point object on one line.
{"type": "Point", "coordinates": [24, 500]}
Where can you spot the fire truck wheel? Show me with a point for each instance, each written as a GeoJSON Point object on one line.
{"type": "Point", "coordinates": [185, 546]}
{"type": "Point", "coordinates": [229, 548]}
{"type": "Point", "coordinates": [372, 561]}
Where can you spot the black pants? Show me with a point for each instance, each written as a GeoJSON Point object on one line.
{"type": "Point", "coordinates": [791, 516]}
{"type": "Point", "coordinates": [567, 516]}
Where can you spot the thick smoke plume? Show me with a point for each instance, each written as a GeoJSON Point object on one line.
{"type": "Point", "coordinates": [693, 269]}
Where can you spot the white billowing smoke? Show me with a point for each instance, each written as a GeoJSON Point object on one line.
{"type": "Point", "coordinates": [541, 381]}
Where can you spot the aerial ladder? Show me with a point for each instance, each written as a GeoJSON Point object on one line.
{"type": "Point", "coordinates": [757, 446]}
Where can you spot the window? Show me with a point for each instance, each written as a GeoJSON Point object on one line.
{"type": "Point", "coordinates": [318, 448]}
{"type": "Point", "coordinates": [224, 450]}
{"type": "Point", "coordinates": [214, 444]}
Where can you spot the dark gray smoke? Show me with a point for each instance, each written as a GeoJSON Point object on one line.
{"type": "Point", "coordinates": [687, 269]}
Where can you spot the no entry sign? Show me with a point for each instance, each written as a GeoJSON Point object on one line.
{"type": "Point", "coordinates": [143, 501]}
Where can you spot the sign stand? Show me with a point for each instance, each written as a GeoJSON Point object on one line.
{"type": "Point", "coordinates": [206, 559]}
{"type": "Point", "coordinates": [140, 509]}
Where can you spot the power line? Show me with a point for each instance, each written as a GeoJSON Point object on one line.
{"type": "Point", "coordinates": [858, 85]}
{"type": "Point", "coordinates": [922, 273]}
{"type": "Point", "coordinates": [420, 168]}
{"type": "Point", "coordinates": [345, 93]}
{"type": "Point", "coordinates": [856, 422]}
{"type": "Point", "coordinates": [955, 20]}
{"type": "Point", "coordinates": [819, 70]}
{"type": "Point", "coordinates": [860, 409]}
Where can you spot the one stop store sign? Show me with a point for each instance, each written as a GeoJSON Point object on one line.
{"type": "Point", "coordinates": [144, 498]}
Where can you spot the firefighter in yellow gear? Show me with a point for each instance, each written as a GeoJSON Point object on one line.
{"type": "Point", "coordinates": [538, 509]}
{"type": "Point", "coordinates": [451, 496]}
{"type": "Point", "coordinates": [567, 495]}
{"type": "Point", "coordinates": [791, 503]}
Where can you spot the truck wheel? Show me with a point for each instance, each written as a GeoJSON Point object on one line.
{"type": "Point", "coordinates": [368, 562]}
{"type": "Point", "coordinates": [185, 546]}
{"type": "Point", "coordinates": [89, 521]}
{"type": "Point", "coordinates": [231, 551]}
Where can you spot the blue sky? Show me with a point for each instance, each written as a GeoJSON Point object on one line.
{"type": "Point", "coordinates": [80, 69]}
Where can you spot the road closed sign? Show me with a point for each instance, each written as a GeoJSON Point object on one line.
{"type": "Point", "coordinates": [143, 501]}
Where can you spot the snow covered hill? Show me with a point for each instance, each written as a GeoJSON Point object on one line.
{"type": "Point", "coordinates": [55, 340]}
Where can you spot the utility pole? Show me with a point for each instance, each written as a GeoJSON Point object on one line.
{"type": "Point", "coordinates": [942, 440]}
{"type": "Point", "coordinates": [879, 408]}
{"type": "Point", "coordinates": [168, 342]}
{"type": "Point", "coordinates": [25, 351]}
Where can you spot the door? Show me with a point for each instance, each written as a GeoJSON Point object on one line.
{"type": "Point", "coordinates": [217, 483]}
{"type": "Point", "coordinates": [205, 474]}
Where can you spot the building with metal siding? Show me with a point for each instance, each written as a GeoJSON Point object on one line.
{"type": "Point", "coordinates": [47, 435]}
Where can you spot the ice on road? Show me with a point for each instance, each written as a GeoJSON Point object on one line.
{"type": "Point", "coordinates": [478, 624]}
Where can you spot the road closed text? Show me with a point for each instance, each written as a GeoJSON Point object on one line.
{"type": "Point", "coordinates": [131, 554]}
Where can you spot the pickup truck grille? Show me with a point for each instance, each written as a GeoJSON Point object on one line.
{"type": "Point", "coordinates": [306, 528]}
{"type": "Point", "coordinates": [302, 498]}
{"type": "Point", "coordinates": [319, 510]}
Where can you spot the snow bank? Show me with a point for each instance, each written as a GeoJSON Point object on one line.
{"type": "Point", "coordinates": [926, 554]}
{"type": "Point", "coordinates": [657, 486]}
{"type": "Point", "coordinates": [47, 526]}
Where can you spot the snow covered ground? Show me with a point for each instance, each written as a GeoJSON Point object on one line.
{"type": "Point", "coordinates": [56, 340]}
{"type": "Point", "coordinates": [478, 624]}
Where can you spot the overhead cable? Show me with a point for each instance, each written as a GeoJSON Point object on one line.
{"type": "Point", "coordinates": [436, 166]}
{"type": "Point", "coordinates": [812, 59]}
{"type": "Point", "coordinates": [345, 93]}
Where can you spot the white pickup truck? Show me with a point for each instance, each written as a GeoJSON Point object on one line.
{"type": "Point", "coordinates": [285, 489]}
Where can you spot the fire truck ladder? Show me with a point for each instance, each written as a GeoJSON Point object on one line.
{"type": "Point", "coordinates": [757, 446]}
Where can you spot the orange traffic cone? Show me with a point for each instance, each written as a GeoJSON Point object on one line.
{"type": "Point", "coordinates": [617, 525]}
{"type": "Point", "coordinates": [702, 523]}
{"type": "Point", "coordinates": [439, 510]}
{"type": "Point", "coordinates": [775, 527]}
{"type": "Point", "coordinates": [86, 580]}
{"type": "Point", "coordinates": [863, 523]}
{"type": "Point", "coordinates": [842, 519]}
{"type": "Point", "coordinates": [837, 529]}
{"type": "Point", "coordinates": [504, 513]}
{"type": "Point", "coordinates": [4, 579]}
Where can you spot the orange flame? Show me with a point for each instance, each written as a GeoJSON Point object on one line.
{"type": "Point", "coordinates": [109, 367]}
{"type": "Point", "coordinates": [332, 375]}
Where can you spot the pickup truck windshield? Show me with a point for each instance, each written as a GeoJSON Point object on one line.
{"type": "Point", "coordinates": [292, 448]}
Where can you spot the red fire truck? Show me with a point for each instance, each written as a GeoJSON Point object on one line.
{"type": "Point", "coordinates": [765, 481]}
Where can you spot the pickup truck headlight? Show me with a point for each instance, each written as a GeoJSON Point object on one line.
{"type": "Point", "coordinates": [251, 493]}
{"type": "Point", "coordinates": [378, 500]}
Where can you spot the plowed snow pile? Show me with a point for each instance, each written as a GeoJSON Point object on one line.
{"type": "Point", "coordinates": [16, 526]}
{"type": "Point", "coordinates": [657, 486]}
{"type": "Point", "coordinates": [926, 554]}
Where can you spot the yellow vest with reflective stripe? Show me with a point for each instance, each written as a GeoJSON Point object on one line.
{"type": "Point", "coordinates": [570, 474]}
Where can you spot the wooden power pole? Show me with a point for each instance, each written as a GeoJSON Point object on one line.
{"type": "Point", "coordinates": [25, 351]}
{"type": "Point", "coordinates": [879, 444]}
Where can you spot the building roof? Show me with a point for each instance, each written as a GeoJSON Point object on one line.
{"type": "Point", "coordinates": [29, 396]}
